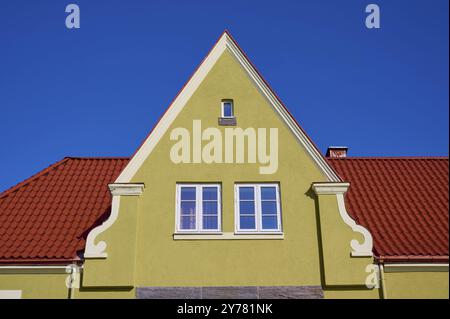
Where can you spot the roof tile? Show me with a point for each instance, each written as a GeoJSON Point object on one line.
{"type": "Point", "coordinates": [402, 201]}
{"type": "Point", "coordinates": [45, 217]}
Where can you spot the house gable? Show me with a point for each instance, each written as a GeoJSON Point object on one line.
{"type": "Point", "coordinates": [159, 245]}
{"type": "Point", "coordinates": [225, 44]}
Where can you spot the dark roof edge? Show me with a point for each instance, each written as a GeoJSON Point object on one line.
{"type": "Point", "coordinates": [389, 158]}
{"type": "Point", "coordinates": [412, 259]}
{"type": "Point", "coordinates": [33, 177]}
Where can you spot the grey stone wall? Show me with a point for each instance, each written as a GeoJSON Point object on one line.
{"type": "Point", "coordinates": [231, 292]}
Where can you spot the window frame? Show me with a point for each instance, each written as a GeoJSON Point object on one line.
{"type": "Point", "coordinates": [223, 109]}
{"type": "Point", "coordinates": [198, 208]}
{"type": "Point", "coordinates": [258, 211]}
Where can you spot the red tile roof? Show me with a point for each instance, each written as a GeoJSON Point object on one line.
{"type": "Point", "coordinates": [403, 202]}
{"type": "Point", "coordinates": [46, 218]}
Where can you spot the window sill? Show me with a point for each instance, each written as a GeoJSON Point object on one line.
{"type": "Point", "coordinates": [228, 236]}
{"type": "Point", "coordinates": [227, 121]}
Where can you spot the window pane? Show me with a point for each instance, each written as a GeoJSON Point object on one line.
{"type": "Point", "coordinates": [187, 208]}
{"type": "Point", "coordinates": [247, 222]}
{"type": "Point", "coordinates": [269, 222]}
{"type": "Point", "coordinates": [247, 208]}
{"type": "Point", "coordinates": [187, 193]}
{"type": "Point", "coordinates": [227, 109]}
{"type": "Point", "coordinates": [268, 193]}
{"type": "Point", "coordinates": [269, 207]}
{"type": "Point", "coordinates": [187, 222]}
{"type": "Point", "coordinates": [210, 222]}
{"type": "Point", "coordinates": [246, 193]}
{"type": "Point", "coordinates": [209, 193]}
{"type": "Point", "coordinates": [210, 208]}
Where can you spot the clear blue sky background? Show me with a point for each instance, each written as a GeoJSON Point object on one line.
{"type": "Point", "coordinates": [98, 91]}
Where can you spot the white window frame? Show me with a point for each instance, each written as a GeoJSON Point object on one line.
{"type": "Point", "coordinates": [198, 209]}
{"type": "Point", "coordinates": [223, 109]}
{"type": "Point", "coordinates": [258, 211]}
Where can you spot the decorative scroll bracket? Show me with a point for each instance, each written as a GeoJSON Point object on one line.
{"type": "Point", "coordinates": [363, 249]}
{"type": "Point", "coordinates": [98, 250]}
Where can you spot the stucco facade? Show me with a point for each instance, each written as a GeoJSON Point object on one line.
{"type": "Point", "coordinates": [314, 249]}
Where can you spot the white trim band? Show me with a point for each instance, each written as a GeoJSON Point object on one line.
{"type": "Point", "coordinates": [10, 294]}
{"type": "Point", "coordinates": [33, 269]}
{"type": "Point", "coordinates": [227, 236]}
{"type": "Point", "coordinates": [425, 267]}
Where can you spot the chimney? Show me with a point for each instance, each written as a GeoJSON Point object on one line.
{"type": "Point", "coordinates": [337, 151]}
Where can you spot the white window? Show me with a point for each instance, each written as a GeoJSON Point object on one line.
{"type": "Point", "coordinates": [227, 109]}
{"type": "Point", "coordinates": [257, 208]}
{"type": "Point", "coordinates": [198, 208]}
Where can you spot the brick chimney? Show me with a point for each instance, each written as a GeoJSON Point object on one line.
{"type": "Point", "coordinates": [337, 151]}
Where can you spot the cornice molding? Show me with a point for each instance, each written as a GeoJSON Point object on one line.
{"type": "Point", "coordinates": [330, 188]}
{"type": "Point", "coordinates": [118, 189]}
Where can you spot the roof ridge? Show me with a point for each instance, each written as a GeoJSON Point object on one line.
{"type": "Point", "coordinates": [98, 157]}
{"type": "Point", "coordinates": [33, 177]}
{"type": "Point", "coordinates": [53, 166]}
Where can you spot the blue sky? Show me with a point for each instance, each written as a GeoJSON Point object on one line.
{"type": "Point", "coordinates": [98, 90]}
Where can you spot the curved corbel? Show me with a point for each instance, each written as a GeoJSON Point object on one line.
{"type": "Point", "coordinates": [98, 250]}
{"type": "Point", "coordinates": [363, 249]}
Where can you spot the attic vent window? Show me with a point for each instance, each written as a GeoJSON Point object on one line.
{"type": "Point", "coordinates": [227, 108]}
{"type": "Point", "coordinates": [227, 113]}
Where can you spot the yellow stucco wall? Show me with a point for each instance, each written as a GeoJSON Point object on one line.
{"type": "Point", "coordinates": [162, 261]}
{"type": "Point", "coordinates": [335, 236]}
{"type": "Point", "coordinates": [36, 286]}
{"type": "Point", "coordinates": [53, 286]}
{"type": "Point", "coordinates": [105, 293]}
{"type": "Point", "coordinates": [118, 270]}
{"type": "Point", "coordinates": [417, 285]}
{"type": "Point", "coordinates": [351, 292]}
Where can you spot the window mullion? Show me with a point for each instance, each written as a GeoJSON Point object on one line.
{"type": "Point", "coordinates": [258, 208]}
{"type": "Point", "coordinates": [219, 210]}
{"type": "Point", "coordinates": [278, 207]}
{"type": "Point", "coordinates": [178, 208]}
{"type": "Point", "coordinates": [199, 196]}
{"type": "Point", "coordinates": [237, 210]}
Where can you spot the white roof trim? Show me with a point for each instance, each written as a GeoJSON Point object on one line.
{"type": "Point", "coordinates": [34, 269]}
{"type": "Point", "coordinates": [225, 42]}
{"type": "Point", "coordinates": [416, 267]}
{"type": "Point", "coordinates": [10, 294]}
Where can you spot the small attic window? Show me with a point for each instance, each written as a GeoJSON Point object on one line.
{"type": "Point", "coordinates": [227, 109]}
{"type": "Point", "coordinates": [227, 117]}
